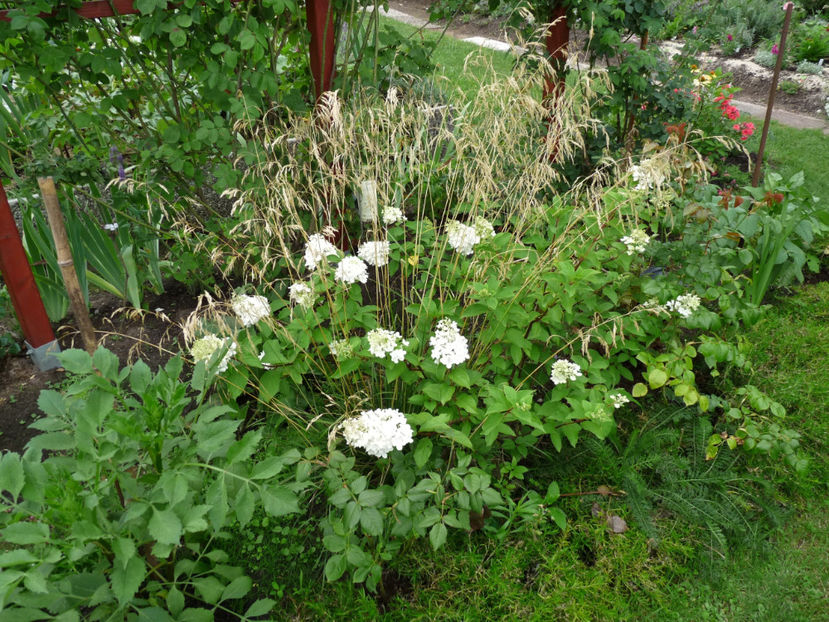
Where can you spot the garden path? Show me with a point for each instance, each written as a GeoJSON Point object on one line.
{"type": "Point", "coordinates": [488, 34]}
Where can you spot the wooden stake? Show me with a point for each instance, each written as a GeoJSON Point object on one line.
{"type": "Point", "coordinates": [67, 265]}
{"type": "Point", "coordinates": [755, 181]}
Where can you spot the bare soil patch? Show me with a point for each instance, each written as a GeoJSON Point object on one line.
{"type": "Point", "coordinates": [152, 336]}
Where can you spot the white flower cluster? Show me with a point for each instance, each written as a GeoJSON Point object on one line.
{"type": "Point", "coordinates": [564, 370]}
{"type": "Point", "coordinates": [636, 241]}
{"type": "Point", "coordinates": [250, 309]}
{"type": "Point", "coordinates": [302, 294]}
{"type": "Point", "coordinates": [382, 342]}
{"type": "Point", "coordinates": [374, 253]}
{"type": "Point", "coordinates": [461, 237]}
{"type": "Point", "coordinates": [483, 228]}
{"type": "Point", "coordinates": [684, 305]}
{"type": "Point", "coordinates": [341, 349]}
{"type": "Point", "coordinates": [378, 431]}
{"type": "Point", "coordinates": [350, 270]}
{"type": "Point", "coordinates": [317, 249]}
{"type": "Point", "coordinates": [204, 348]}
{"type": "Point", "coordinates": [449, 347]}
{"type": "Point", "coordinates": [618, 399]}
{"type": "Point", "coordinates": [393, 215]}
{"type": "Point", "coordinates": [647, 175]}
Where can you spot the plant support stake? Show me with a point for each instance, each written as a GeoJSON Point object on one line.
{"type": "Point", "coordinates": [758, 164]}
{"type": "Point", "coordinates": [20, 282]}
{"type": "Point", "coordinates": [67, 265]}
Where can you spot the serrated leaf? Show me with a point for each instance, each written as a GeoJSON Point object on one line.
{"type": "Point", "coordinates": [126, 581]}
{"type": "Point", "coordinates": [25, 533]}
{"type": "Point", "coordinates": [124, 549]}
{"type": "Point", "coordinates": [75, 361]}
{"type": "Point", "coordinates": [210, 589]}
{"type": "Point", "coordinates": [106, 362]}
{"type": "Point", "coordinates": [244, 505]}
{"type": "Point", "coordinates": [175, 601]}
{"type": "Point", "coordinates": [370, 498]}
{"type": "Point", "coordinates": [244, 447]}
{"type": "Point", "coordinates": [52, 403]}
{"type": "Point", "coordinates": [12, 477]}
{"type": "Point", "coordinates": [237, 588]}
{"type": "Point", "coordinates": [279, 501]}
{"type": "Point", "coordinates": [639, 390]}
{"type": "Point", "coordinates": [267, 468]}
{"type": "Point", "coordinates": [140, 377]}
{"type": "Point", "coordinates": [371, 521]}
{"type": "Point", "coordinates": [165, 527]}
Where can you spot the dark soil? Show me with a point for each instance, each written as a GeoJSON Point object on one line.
{"type": "Point", "coordinates": [152, 336]}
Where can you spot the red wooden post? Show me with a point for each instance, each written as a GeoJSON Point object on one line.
{"type": "Point", "coordinates": [558, 37]}
{"type": "Point", "coordinates": [320, 17]}
{"type": "Point", "coordinates": [20, 282]}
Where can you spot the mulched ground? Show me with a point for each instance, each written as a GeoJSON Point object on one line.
{"type": "Point", "coordinates": [150, 336]}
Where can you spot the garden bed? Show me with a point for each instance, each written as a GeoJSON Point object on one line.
{"type": "Point", "coordinates": [149, 336]}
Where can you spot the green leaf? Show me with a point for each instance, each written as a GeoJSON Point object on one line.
{"type": "Point", "coordinates": [279, 501]}
{"type": "Point", "coordinates": [12, 477]}
{"type": "Point", "coordinates": [639, 390]}
{"type": "Point", "coordinates": [175, 601]}
{"type": "Point", "coordinates": [140, 377]}
{"type": "Point", "coordinates": [657, 378]}
{"type": "Point", "coordinates": [237, 588]}
{"type": "Point", "coordinates": [243, 448]}
{"type": "Point", "coordinates": [126, 581]}
{"type": "Point", "coordinates": [52, 403]}
{"type": "Point", "coordinates": [244, 505]}
{"type": "Point", "coordinates": [25, 533]}
{"type": "Point", "coordinates": [210, 588]}
{"type": "Point", "coordinates": [124, 549]}
{"type": "Point", "coordinates": [558, 517]}
{"type": "Point", "coordinates": [178, 37]}
{"type": "Point", "coordinates": [16, 557]}
{"type": "Point", "coordinates": [165, 527]}
{"type": "Point", "coordinates": [334, 543]}
{"type": "Point", "coordinates": [260, 607]}
{"type": "Point", "coordinates": [370, 498]}
{"type": "Point", "coordinates": [267, 468]}
{"type": "Point", "coordinates": [437, 535]}
{"type": "Point", "coordinates": [75, 361]}
{"type": "Point", "coordinates": [438, 391]}
{"type": "Point", "coordinates": [106, 362]}
{"type": "Point", "coordinates": [335, 567]}
{"type": "Point", "coordinates": [371, 520]}
{"type": "Point", "coordinates": [422, 452]}
{"type": "Point", "coordinates": [460, 376]}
